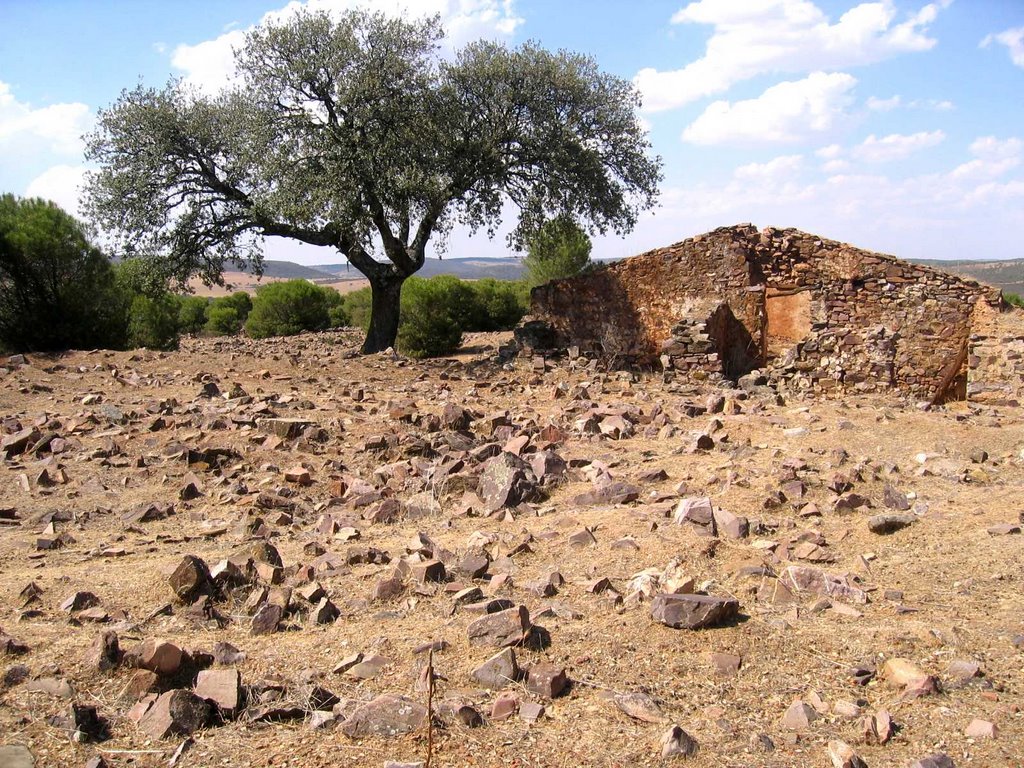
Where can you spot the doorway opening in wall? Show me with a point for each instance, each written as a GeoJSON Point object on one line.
{"type": "Point", "coordinates": [787, 319]}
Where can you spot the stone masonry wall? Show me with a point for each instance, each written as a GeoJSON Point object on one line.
{"type": "Point", "coordinates": [628, 310]}
{"type": "Point", "coordinates": [868, 321]}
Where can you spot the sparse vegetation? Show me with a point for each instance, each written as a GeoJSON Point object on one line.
{"type": "Point", "coordinates": [291, 307]}
{"type": "Point", "coordinates": [1014, 299]}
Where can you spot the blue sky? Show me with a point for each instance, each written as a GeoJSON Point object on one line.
{"type": "Point", "coordinates": [896, 125]}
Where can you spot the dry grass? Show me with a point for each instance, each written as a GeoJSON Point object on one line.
{"type": "Point", "coordinates": [964, 585]}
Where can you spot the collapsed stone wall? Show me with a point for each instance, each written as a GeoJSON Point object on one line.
{"type": "Point", "coordinates": [821, 314]}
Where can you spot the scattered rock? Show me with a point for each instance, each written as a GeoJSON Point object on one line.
{"type": "Point", "coordinates": [981, 729]}
{"type": "Point", "coordinates": [387, 716]}
{"type": "Point", "coordinates": [693, 611]}
{"type": "Point", "coordinates": [502, 629]}
{"type": "Point", "coordinates": [498, 671]}
{"type": "Point", "coordinates": [190, 579]}
{"type": "Point", "coordinates": [890, 522]}
{"type": "Point", "coordinates": [842, 755]}
{"type": "Point", "coordinates": [676, 742]}
{"type": "Point", "coordinates": [175, 713]}
{"type": "Point", "coordinates": [222, 687]}
{"type": "Point", "coordinates": [546, 680]}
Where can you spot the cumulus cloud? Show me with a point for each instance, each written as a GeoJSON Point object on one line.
{"type": "Point", "coordinates": [55, 128]}
{"type": "Point", "coordinates": [993, 158]}
{"type": "Point", "coordinates": [209, 65]}
{"type": "Point", "coordinates": [753, 37]}
{"type": "Point", "coordinates": [1013, 39]}
{"type": "Point", "coordinates": [784, 113]}
{"type": "Point", "coordinates": [62, 184]}
{"type": "Point", "coordinates": [884, 105]}
{"type": "Point", "coordinates": [896, 146]}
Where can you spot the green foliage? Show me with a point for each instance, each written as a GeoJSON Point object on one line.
{"type": "Point", "coordinates": [398, 141]}
{"type": "Point", "coordinates": [357, 307]}
{"type": "Point", "coordinates": [1014, 299]}
{"type": "Point", "coordinates": [434, 313]}
{"type": "Point", "coordinates": [57, 291]}
{"type": "Point", "coordinates": [153, 321]}
{"type": "Point", "coordinates": [192, 314]}
{"type": "Point", "coordinates": [288, 308]}
{"type": "Point", "coordinates": [223, 320]}
{"type": "Point", "coordinates": [226, 315]}
{"type": "Point", "coordinates": [497, 304]}
{"type": "Point", "coordinates": [559, 249]}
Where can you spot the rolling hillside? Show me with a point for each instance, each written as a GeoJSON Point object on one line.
{"type": "Point", "coordinates": [1007, 274]}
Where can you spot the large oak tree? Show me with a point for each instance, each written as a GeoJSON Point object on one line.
{"type": "Point", "coordinates": [355, 133]}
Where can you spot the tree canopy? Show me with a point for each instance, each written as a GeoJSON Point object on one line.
{"type": "Point", "coordinates": [560, 248]}
{"type": "Point", "coordinates": [353, 132]}
{"type": "Point", "coordinates": [56, 289]}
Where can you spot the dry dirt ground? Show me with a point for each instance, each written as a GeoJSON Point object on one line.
{"type": "Point", "coordinates": [941, 590]}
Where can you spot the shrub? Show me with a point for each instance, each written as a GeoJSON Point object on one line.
{"type": "Point", "coordinates": [192, 313]}
{"type": "Point", "coordinates": [1014, 299]}
{"type": "Point", "coordinates": [56, 289]}
{"type": "Point", "coordinates": [357, 307]}
{"type": "Point", "coordinates": [153, 321]}
{"type": "Point", "coordinates": [559, 249]}
{"type": "Point", "coordinates": [434, 313]}
{"type": "Point", "coordinates": [497, 304]}
{"type": "Point", "coordinates": [288, 308]}
{"type": "Point", "coordinates": [223, 320]}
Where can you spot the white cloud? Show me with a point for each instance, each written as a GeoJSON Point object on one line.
{"type": "Point", "coordinates": [896, 146]}
{"type": "Point", "coordinates": [209, 65]}
{"type": "Point", "coordinates": [62, 184]}
{"type": "Point", "coordinates": [992, 158]}
{"type": "Point", "coordinates": [830, 152]}
{"type": "Point", "coordinates": [753, 37]}
{"type": "Point", "coordinates": [786, 112]}
{"type": "Point", "coordinates": [884, 105]}
{"type": "Point", "coordinates": [782, 167]}
{"type": "Point", "coordinates": [56, 128]}
{"type": "Point", "coordinates": [1013, 39]}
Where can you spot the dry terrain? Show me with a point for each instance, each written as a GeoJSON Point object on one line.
{"type": "Point", "coordinates": [242, 281]}
{"type": "Point", "coordinates": [118, 465]}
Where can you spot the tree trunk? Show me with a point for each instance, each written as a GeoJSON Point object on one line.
{"type": "Point", "coordinates": [385, 293]}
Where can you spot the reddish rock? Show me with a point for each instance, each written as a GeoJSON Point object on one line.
{"type": "Point", "coordinates": [506, 481]}
{"type": "Point", "coordinates": [105, 653]}
{"type": "Point", "coordinates": [546, 680]}
{"type": "Point", "coordinates": [160, 656]}
{"type": "Point", "coordinates": [981, 729]}
{"type": "Point", "coordinates": [502, 629]}
{"type": "Point", "coordinates": [799, 716]}
{"type": "Point", "coordinates": [498, 671]}
{"type": "Point", "coordinates": [800, 578]}
{"type": "Point", "coordinates": [266, 619]}
{"type": "Point", "coordinates": [222, 687]}
{"type": "Point", "coordinates": [190, 579]}
{"type": "Point", "coordinates": [505, 705]}
{"type": "Point", "coordinates": [693, 611]}
{"type": "Point", "coordinates": [175, 713]}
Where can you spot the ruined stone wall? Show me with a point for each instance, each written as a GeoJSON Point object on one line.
{"type": "Point", "coordinates": [628, 310]}
{"type": "Point", "coordinates": [823, 314]}
{"type": "Point", "coordinates": [876, 322]}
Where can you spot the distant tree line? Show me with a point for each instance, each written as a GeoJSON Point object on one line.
{"type": "Point", "coordinates": [59, 291]}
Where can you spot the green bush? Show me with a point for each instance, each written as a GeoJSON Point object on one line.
{"type": "Point", "coordinates": [1014, 299]}
{"type": "Point", "coordinates": [357, 308]}
{"type": "Point", "coordinates": [498, 305]}
{"type": "Point", "coordinates": [57, 290]}
{"type": "Point", "coordinates": [223, 320]}
{"type": "Point", "coordinates": [192, 313]}
{"type": "Point", "coordinates": [153, 322]}
{"type": "Point", "coordinates": [434, 312]}
{"type": "Point", "coordinates": [288, 308]}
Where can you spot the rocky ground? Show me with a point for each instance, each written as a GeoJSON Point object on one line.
{"type": "Point", "coordinates": [281, 554]}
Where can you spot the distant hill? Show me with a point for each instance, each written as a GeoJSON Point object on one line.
{"type": "Point", "coordinates": [1006, 274]}
{"type": "Point", "coordinates": [467, 269]}
{"type": "Point", "coordinates": [289, 270]}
